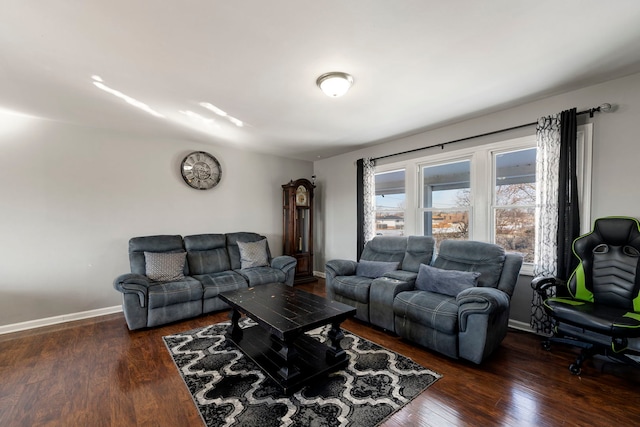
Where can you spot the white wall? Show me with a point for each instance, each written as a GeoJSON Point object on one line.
{"type": "Point", "coordinates": [616, 171]}
{"type": "Point", "coordinates": [73, 196]}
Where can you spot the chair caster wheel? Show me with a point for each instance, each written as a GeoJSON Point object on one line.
{"type": "Point", "coordinates": [575, 369]}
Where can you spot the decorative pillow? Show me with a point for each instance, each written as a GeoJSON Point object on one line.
{"type": "Point", "coordinates": [253, 254]}
{"type": "Point", "coordinates": [447, 282]}
{"type": "Point", "coordinates": [164, 266]}
{"type": "Point", "coordinates": [375, 269]}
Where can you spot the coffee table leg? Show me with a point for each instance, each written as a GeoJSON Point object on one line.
{"type": "Point", "coordinates": [335, 352]}
{"type": "Point", "coordinates": [235, 331]}
{"type": "Point", "coordinates": [288, 353]}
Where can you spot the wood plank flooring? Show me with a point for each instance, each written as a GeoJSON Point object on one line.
{"type": "Point", "coordinates": [96, 372]}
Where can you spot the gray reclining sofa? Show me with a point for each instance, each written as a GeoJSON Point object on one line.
{"type": "Point", "coordinates": [174, 277]}
{"type": "Point", "coordinates": [456, 303]}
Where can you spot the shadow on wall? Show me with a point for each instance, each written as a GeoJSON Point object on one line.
{"type": "Point", "coordinates": [521, 300]}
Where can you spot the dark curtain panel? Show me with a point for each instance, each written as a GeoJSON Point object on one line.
{"type": "Point", "coordinates": [360, 206]}
{"type": "Point", "coordinates": [568, 205]}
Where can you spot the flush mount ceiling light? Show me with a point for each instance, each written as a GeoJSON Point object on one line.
{"type": "Point", "coordinates": [335, 84]}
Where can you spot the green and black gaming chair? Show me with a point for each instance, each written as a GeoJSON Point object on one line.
{"type": "Point", "coordinates": [601, 311]}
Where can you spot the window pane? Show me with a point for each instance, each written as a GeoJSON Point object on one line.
{"type": "Point", "coordinates": [514, 201]}
{"type": "Point", "coordinates": [390, 203]}
{"type": "Point", "coordinates": [450, 224]}
{"type": "Point", "coordinates": [515, 230]}
{"type": "Point", "coordinates": [516, 178]}
{"type": "Point", "coordinates": [446, 196]}
{"type": "Point", "coordinates": [446, 186]}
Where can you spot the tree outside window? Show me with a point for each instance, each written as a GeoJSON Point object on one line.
{"type": "Point", "coordinates": [514, 199]}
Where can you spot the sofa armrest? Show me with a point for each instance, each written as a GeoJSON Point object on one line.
{"type": "Point", "coordinates": [334, 268]}
{"type": "Point", "coordinates": [382, 292]}
{"type": "Point", "coordinates": [403, 275]}
{"type": "Point", "coordinates": [283, 262]}
{"type": "Point", "coordinates": [286, 264]}
{"type": "Point", "coordinates": [480, 300]}
{"type": "Point", "coordinates": [340, 267]}
{"type": "Point", "coordinates": [131, 283]}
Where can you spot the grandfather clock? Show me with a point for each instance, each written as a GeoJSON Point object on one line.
{"type": "Point", "coordinates": [297, 202]}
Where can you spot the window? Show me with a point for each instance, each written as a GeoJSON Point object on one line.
{"type": "Point", "coordinates": [514, 201]}
{"type": "Point", "coordinates": [446, 200]}
{"type": "Point", "coordinates": [390, 203]}
{"type": "Point", "coordinates": [484, 193]}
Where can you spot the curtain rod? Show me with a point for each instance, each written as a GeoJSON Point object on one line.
{"type": "Point", "coordinates": [601, 108]}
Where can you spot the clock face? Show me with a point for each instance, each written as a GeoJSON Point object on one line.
{"type": "Point", "coordinates": [201, 170]}
{"type": "Point", "coordinates": [301, 196]}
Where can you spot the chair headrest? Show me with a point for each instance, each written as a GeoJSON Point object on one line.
{"type": "Point", "coordinates": [617, 231]}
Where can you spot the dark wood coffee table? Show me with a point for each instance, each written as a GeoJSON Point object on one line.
{"type": "Point", "coordinates": [279, 345]}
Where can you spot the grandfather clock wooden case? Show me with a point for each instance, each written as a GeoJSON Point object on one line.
{"type": "Point", "coordinates": [297, 201]}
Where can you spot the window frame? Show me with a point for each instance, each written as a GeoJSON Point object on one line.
{"type": "Point", "coordinates": [493, 206]}
{"type": "Point", "coordinates": [482, 183]}
{"type": "Point", "coordinates": [393, 168]}
{"type": "Point", "coordinates": [421, 209]}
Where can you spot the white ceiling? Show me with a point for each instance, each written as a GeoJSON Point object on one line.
{"type": "Point", "coordinates": [417, 64]}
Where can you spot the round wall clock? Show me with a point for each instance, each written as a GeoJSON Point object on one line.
{"type": "Point", "coordinates": [201, 170]}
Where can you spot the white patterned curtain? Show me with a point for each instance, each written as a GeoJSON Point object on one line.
{"type": "Point", "coordinates": [369, 198]}
{"type": "Point", "coordinates": [547, 177]}
{"type": "Point", "coordinates": [365, 202]}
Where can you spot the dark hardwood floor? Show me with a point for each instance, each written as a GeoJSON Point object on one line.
{"type": "Point", "coordinates": [97, 373]}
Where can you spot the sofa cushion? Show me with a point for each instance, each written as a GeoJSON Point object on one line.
{"type": "Point", "coordinates": [419, 251]}
{"type": "Point", "coordinates": [232, 246]}
{"type": "Point", "coordinates": [465, 255]}
{"type": "Point", "coordinates": [163, 243]}
{"type": "Point", "coordinates": [385, 248]}
{"type": "Point", "coordinates": [224, 281]}
{"type": "Point", "coordinates": [163, 294]}
{"type": "Point", "coordinates": [253, 254]}
{"type": "Point", "coordinates": [164, 266]}
{"type": "Point", "coordinates": [447, 282]}
{"type": "Point", "coordinates": [375, 269]}
{"type": "Point", "coordinates": [355, 288]}
{"type": "Point", "coordinates": [430, 309]}
{"type": "Point", "coordinates": [207, 253]}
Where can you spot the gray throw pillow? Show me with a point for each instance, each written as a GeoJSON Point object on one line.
{"type": "Point", "coordinates": [164, 266]}
{"type": "Point", "coordinates": [447, 282]}
{"type": "Point", "coordinates": [253, 254]}
{"type": "Point", "coordinates": [375, 269]}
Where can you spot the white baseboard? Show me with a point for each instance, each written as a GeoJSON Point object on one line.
{"type": "Point", "coordinates": [319, 274]}
{"type": "Point", "coordinates": [48, 321]}
{"type": "Point", "coordinates": [521, 326]}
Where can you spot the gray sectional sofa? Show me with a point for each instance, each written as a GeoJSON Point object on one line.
{"type": "Point", "coordinates": [456, 303]}
{"type": "Point", "coordinates": [174, 277]}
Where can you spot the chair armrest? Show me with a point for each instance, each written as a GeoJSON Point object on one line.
{"type": "Point", "coordinates": [480, 300]}
{"type": "Point", "coordinates": [341, 267]}
{"type": "Point", "coordinates": [131, 283]}
{"type": "Point", "coordinates": [544, 285]}
{"type": "Point", "coordinates": [283, 262]}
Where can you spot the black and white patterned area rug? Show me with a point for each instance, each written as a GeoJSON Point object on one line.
{"type": "Point", "coordinates": [230, 390]}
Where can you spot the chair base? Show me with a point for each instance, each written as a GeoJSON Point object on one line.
{"type": "Point", "coordinates": [589, 350]}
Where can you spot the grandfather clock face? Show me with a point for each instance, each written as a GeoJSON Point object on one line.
{"type": "Point", "coordinates": [302, 196]}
